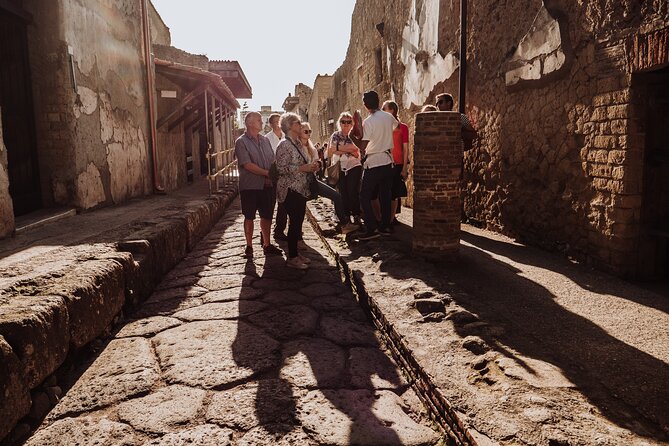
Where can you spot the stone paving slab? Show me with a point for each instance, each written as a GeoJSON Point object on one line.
{"type": "Point", "coordinates": [497, 357]}
{"type": "Point", "coordinates": [64, 284]}
{"type": "Point", "coordinates": [261, 357]}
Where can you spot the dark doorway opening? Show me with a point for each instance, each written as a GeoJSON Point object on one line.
{"type": "Point", "coordinates": [17, 114]}
{"type": "Point", "coordinates": [654, 255]}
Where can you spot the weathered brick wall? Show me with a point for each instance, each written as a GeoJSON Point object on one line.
{"type": "Point", "coordinates": [551, 90]}
{"type": "Point", "coordinates": [438, 155]}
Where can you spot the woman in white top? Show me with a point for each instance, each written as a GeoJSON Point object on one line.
{"type": "Point", "coordinates": [342, 150]}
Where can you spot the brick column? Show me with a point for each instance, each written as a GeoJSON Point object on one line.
{"type": "Point", "coordinates": [436, 176]}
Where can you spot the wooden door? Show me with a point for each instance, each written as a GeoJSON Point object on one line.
{"type": "Point", "coordinates": [17, 114]}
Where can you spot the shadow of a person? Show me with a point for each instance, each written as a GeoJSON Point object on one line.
{"type": "Point", "coordinates": [319, 326]}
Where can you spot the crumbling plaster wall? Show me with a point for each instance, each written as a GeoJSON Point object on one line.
{"type": "Point", "coordinates": [6, 207]}
{"type": "Point", "coordinates": [92, 141]}
{"type": "Point", "coordinates": [559, 159]}
{"type": "Point", "coordinates": [322, 90]}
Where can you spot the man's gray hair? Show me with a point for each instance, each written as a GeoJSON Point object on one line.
{"type": "Point", "coordinates": [253, 113]}
{"type": "Point", "coordinates": [287, 119]}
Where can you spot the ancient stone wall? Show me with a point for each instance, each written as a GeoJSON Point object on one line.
{"type": "Point", "coordinates": [6, 207]}
{"type": "Point", "coordinates": [550, 88]}
{"type": "Point", "coordinates": [160, 33]}
{"type": "Point", "coordinates": [89, 85]}
{"type": "Point", "coordinates": [322, 90]}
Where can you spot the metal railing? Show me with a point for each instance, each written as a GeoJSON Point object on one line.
{"type": "Point", "coordinates": [226, 174]}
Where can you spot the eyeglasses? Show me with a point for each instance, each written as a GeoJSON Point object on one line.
{"type": "Point", "coordinates": [346, 121]}
{"type": "Point", "coordinates": [307, 132]}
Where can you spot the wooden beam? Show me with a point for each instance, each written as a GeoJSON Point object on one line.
{"type": "Point", "coordinates": [181, 118]}
{"type": "Point", "coordinates": [184, 102]}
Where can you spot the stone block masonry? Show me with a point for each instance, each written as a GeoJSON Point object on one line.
{"type": "Point", "coordinates": [436, 175]}
{"type": "Point", "coordinates": [58, 297]}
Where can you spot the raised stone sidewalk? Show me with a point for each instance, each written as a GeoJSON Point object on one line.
{"type": "Point", "coordinates": [64, 284]}
{"type": "Point", "coordinates": [514, 345]}
{"type": "Point", "coordinates": [245, 352]}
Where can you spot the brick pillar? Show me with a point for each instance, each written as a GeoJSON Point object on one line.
{"type": "Point", "coordinates": [436, 176]}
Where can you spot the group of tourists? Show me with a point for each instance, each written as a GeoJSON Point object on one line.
{"type": "Point", "coordinates": [368, 161]}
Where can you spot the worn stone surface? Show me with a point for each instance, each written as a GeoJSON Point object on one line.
{"type": "Point", "coordinates": [313, 363]}
{"type": "Point", "coordinates": [205, 435]}
{"type": "Point", "coordinates": [225, 310]}
{"type": "Point", "coordinates": [85, 431]}
{"type": "Point", "coordinates": [370, 368]}
{"type": "Point", "coordinates": [214, 353]}
{"type": "Point", "coordinates": [266, 401]}
{"type": "Point", "coordinates": [345, 332]}
{"type": "Point", "coordinates": [147, 327]}
{"type": "Point", "coordinates": [286, 322]}
{"type": "Point", "coordinates": [13, 388]}
{"type": "Point", "coordinates": [164, 410]}
{"type": "Point", "coordinates": [37, 328]}
{"type": "Point", "coordinates": [276, 434]}
{"type": "Point", "coordinates": [360, 417]}
{"type": "Point", "coordinates": [125, 368]}
{"type": "Point", "coordinates": [240, 360]}
{"type": "Point", "coordinates": [510, 360]}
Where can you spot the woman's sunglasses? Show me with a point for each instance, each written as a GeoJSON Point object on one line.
{"type": "Point", "coordinates": [346, 121]}
{"type": "Point", "coordinates": [307, 132]}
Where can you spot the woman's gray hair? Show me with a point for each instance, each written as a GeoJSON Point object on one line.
{"type": "Point", "coordinates": [287, 119]}
{"type": "Point", "coordinates": [343, 115]}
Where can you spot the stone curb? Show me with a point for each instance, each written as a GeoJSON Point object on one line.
{"type": "Point", "coordinates": [54, 314]}
{"type": "Point", "coordinates": [438, 407]}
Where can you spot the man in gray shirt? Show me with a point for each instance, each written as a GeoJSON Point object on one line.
{"type": "Point", "coordinates": [255, 156]}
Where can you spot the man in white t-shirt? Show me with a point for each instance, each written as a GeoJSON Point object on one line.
{"type": "Point", "coordinates": [376, 147]}
{"type": "Point", "coordinates": [275, 135]}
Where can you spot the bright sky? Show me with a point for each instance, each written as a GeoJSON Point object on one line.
{"type": "Point", "coordinates": [278, 44]}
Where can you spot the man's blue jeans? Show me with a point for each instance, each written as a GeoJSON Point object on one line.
{"type": "Point", "coordinates": [381, 177]}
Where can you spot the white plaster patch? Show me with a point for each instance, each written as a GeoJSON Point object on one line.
{"type": "Point", "coordinates": [89, 102]}
{"type": "Point", "coordinates": [425, 67]}
{"type": "Point", "coordinates": [127, 165]}
{"type": "Point", "coordinates": [539, 52]}
{"type": "Point", "coordinates": [90, 191]}
{"type": "Point", "coordinates": [106, 120]}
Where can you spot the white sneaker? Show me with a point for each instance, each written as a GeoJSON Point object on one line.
{"type": "Point", "coordinates": [296, 263]}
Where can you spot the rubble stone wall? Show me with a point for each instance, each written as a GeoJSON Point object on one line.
{"type": "Point", "coordinates": [89, 85]}
{"type": "Point", "coordinates": [549, 86]}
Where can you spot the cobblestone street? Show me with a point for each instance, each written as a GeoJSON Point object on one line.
{"type": "Point", "coordinates": [248, 352]}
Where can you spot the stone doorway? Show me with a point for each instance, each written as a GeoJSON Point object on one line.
{"type": "Point", "coordinates": [654, 243]}
{"type": "Point", "coordinates": [17, 113]}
